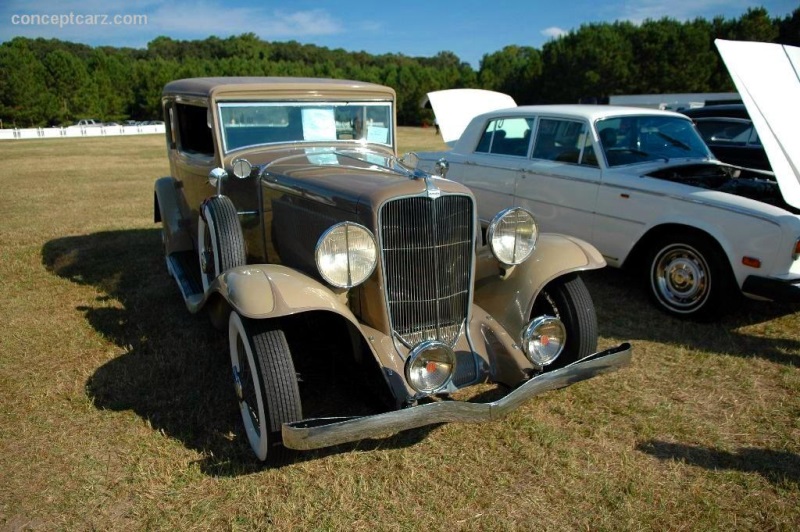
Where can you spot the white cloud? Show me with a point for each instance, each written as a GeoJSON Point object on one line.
{"type": "Point", "coordinates": [212, 18]}
{"type": "Point", "coordinates": [553, 32]}
{"type": "Point", "coordinates": [637, 11]}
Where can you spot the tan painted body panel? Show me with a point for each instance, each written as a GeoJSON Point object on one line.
{"type": "Point", "coordinates": [510, 298]}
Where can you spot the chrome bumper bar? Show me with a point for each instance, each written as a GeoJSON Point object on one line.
{"type": "Point", "coordinates": [325, 432]}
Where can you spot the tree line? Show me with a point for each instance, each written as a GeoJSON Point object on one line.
{"type": "Point", "coordinates": [51, 82]}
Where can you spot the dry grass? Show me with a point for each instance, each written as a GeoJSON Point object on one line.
{"type": "Point", "coordinates": [117, 412]}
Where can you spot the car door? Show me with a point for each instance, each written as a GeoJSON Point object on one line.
{"type": "Point", "coordinates": [495, 165]}
{"type": "Point", "coordinates": [560, 181]}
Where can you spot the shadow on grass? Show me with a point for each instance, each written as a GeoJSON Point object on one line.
{"type": "Point", "coordinates": [778, 467]}
{"type": "Point", "coordinates": [175, 369]}
{"type": "Point", "coordinates": [624, 311]}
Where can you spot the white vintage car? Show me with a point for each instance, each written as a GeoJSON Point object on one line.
{"type": "Point", "coordinates": [642, 186]}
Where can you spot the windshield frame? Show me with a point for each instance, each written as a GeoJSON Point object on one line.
{"type": "Point", "coordinates": [372, 130]}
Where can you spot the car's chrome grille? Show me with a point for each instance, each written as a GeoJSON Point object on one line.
{"type": "Point", "coordinates": [427, 260]}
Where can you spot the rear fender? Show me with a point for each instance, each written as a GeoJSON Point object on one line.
{"type": "Point", "coordinates": [508, 294]}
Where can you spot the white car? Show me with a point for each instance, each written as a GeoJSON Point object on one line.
{"type": "Point", "coordinates": [643, 187]}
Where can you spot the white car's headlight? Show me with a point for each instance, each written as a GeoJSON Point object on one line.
{"type": "Point", "coordinates": [512, 235]}
{"type": "Point", "coordinates": [346, 254]}
{"type": "Point", "coordinates": [430, 366]}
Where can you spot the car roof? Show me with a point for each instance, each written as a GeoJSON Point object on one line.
{"type": "Point", "coordinates": [588, 111]}
{"type": "Point", "coordinates": [206, 87]}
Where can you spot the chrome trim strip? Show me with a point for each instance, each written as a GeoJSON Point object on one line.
{"type": "Point", "coordinates": [318, 433]}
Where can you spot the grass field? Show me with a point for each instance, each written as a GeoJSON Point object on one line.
{"type": "Point", "coordinates": [118, 413]}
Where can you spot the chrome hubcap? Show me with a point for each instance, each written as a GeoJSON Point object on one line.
{"type": "Point", "coordinates": [681, 278]}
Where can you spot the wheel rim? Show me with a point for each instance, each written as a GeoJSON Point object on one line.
{"type": "Point", "coordinates": [247, 387]}
{"type": "Point", "coordinates": [680, 278]}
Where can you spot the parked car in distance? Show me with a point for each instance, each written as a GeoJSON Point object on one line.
{"type": "Point", "coordinates": [640, 185]}
{"type": "Point", "coordinates": [87, 122]}
{"type": "Point", "coordinates": [729, 132]}
{"type": "Point", "coordinates": [288, 216]}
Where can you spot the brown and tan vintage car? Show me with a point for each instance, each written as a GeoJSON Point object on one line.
{"type": "Point", "coordinates": [288, 215]}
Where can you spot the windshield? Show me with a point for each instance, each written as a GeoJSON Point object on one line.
{"type": "Point", "coordinates": [636, 139]}
{"type": "Point", "coordinates": [255, 123]}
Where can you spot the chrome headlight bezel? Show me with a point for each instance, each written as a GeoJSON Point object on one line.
{"type": "Point", "coordinates": [356, 244]}
{"type": "Point", "coordinates": [537, 340]}
{"type": "Point", "coordinates": [513, 223]}
{"type": "Point", "coordinates": [427, 358]}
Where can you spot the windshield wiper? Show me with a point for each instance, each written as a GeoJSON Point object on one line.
{"type": "Point", "coordinates": [675, 142]}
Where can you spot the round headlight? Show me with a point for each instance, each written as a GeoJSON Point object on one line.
{"type": "Point", "coordinates": [543, 340]}
{"type": "Point", "coordinates": [430, 366]}
{"type": "Point", "coordinates": [512, 235]}
{"type": "Point", "coordinates": [346, 254]}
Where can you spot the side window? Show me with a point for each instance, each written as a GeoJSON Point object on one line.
{"type": "Point", "coordinates": [506, 136]}
{"type": "Point", "coordinates": [561, 140]}
{"type": "Point", "coordinates": [721, 131]}
{"type": "Point", "coordinates": [194, 135]}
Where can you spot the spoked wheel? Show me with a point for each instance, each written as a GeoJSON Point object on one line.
{"type": "Point", "coordinates": [266, 384]}
{"type": "Point", "coordinates": [568, 299]}
{"type": "Point", "coordinates": [220, 242]}
{"type": "Point", "coordinates": [689, 278]}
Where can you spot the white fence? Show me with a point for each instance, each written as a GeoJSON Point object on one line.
{"type": "Point", "coordinates": [72, 132]}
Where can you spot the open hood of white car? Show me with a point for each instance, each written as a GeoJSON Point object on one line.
{"type": "Point", "coordinates": [455, 108]}
{"type": "Point", "coordinates": [767, 77]}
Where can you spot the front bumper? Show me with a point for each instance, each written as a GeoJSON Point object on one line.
{"type": "Point", "coordinates": [773, 289]}
{"type": "Point", "coordinates": [325, 432]}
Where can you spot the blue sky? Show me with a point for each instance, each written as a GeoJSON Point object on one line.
{"type": "Point", "coordinates": [468, 28]}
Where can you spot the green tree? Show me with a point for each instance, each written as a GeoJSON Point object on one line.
{"type": "Point", "coordinates": [25, 100]}
{"type": "Point", "coordinates": [69, 81]}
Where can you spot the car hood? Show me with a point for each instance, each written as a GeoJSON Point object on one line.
{"type": "Point", "coordinates": [455, 108]}
{"type": "Point", "coordinates": [349, 178]}
{"type": "Point", "coordinates": [767, 77]}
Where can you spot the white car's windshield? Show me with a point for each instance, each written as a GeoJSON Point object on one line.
{"type": "Point", "coordinates": [255, 123]}
{"type": "Point", "coordinates": [636, 139]}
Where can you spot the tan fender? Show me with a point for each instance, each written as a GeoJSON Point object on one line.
{"type": "Point", "coordinates": [271, 290]}
{"type": "Point", "coordinates": [168, 203]}
{"type": "Point", "coordinates": [265, 291]}
{"type": "Point", "coordinates": [509, 298]}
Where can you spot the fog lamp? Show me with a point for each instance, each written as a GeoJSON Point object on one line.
{"type": "Point", "coordinates": [430, 366]}
{"type": "Point", "coordinates": [543, 340]}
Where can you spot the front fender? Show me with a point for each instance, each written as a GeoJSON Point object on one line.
{"type": "Point", "coordinates": [271, 290]}
{"type": "Point", "coordinates": [509, 296]}
{"type": "Point", "coordinates": [265, 291]}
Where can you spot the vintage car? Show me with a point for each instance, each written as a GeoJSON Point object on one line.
{"type": "Point", "coordinates": [729, 133]}
{"type": "Point", "coordinates": [641, 186]}
{"type": "Point", "coordinates": [288, 213]}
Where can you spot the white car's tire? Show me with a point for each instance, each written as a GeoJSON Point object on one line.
{"type": "Point", "coordinates": [220, 242]}
{"type": "Point", "coordinates": [265, 382]}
